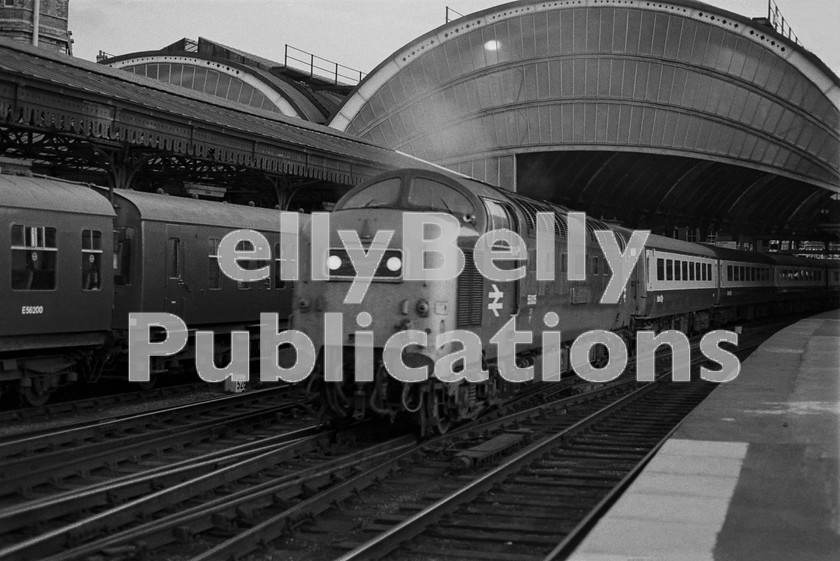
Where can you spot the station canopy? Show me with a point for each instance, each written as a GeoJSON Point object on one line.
{"type": "Point", "coordinates": [660, 115]}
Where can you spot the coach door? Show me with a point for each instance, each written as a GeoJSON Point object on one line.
{"type": "Point", "coordinates": [177, 287]}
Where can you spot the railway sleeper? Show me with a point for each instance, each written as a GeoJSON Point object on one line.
{"type": "Point", "coordinates": [491, 535]}
{"type": "Point", "coordinates": [446, 551]}
{"type": "Point", "coordinates": [536, 527]}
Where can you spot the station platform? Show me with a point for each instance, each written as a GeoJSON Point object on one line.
{"type": "Point", "coordinates": [752, 473]}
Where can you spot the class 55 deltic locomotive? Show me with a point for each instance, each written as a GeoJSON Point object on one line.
{"type": "Point", "coordinates": [690, 287]}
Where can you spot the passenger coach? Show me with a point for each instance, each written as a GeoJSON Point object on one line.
{"type": "Point", "coordinates": [57, 294]}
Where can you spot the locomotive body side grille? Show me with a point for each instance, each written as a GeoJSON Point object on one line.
{"type": "Point", "coordinates": [470, 293]}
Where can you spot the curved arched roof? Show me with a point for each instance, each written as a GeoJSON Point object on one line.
{"type": "Point", "coordinates": [679, 83]}
{"type": "Point", "coordinates": [225, 79]}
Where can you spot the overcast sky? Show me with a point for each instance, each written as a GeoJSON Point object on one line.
{"type": "Point", "coordinates": [356, 33]}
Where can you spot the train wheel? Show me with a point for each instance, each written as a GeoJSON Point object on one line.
{"type": "Point", "coordinates": [36, 394]}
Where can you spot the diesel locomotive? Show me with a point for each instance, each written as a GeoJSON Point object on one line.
{"type": "Point", "coordinates": [674, 284]}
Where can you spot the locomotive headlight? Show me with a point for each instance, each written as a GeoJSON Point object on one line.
{"type": "Point", "coordinates": [422, 307]}
{"type": "Point", "coordinates": [394, 264]}
{"type": "Point", "coordinates": [334, 262]}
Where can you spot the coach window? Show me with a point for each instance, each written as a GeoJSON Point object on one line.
{"type": "Point", "coordinates": [383, 194]}
{"type": "Point", "coordinates": [279, 283]}
{"type": "Point", "coordinates": [660, 269]}
{"type": "Point", "coordinates": [34, 257]}
{"type": "Point", "coordinates": [691, 269]}
{"type": "Point", "coordinates": [669, 269]}
{"type": "Point", "coordinates": [123, 241]}
{"type": "Point", "coordinates": [174, 252]}
{"type": "Point", "coordinates": [214, 272]}
{"type": "Point", "coordinates": [685, 265]}
{"type": "Point", "coordinates": [91, 260]}
{"type": "Point", "coordinates": [677, 269]}
{"type": "Point", "coordinates": [251, 265]}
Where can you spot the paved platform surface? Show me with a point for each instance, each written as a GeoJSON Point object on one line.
{"type": "Point", "coordinates": [752, 473]}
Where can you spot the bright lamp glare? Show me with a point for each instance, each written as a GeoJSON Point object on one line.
{"type": "Point", "coordinates": [334, 262]}
{"type": "Point", "coordinates": [393, 263]}
{"type": "Point", "coordinates": [492, 45]}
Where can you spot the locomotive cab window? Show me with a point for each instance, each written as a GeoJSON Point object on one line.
{"type": "Point", "coordinates": [34, 257]}
{"type": "Point", "coordinates": [91, 260]}
{"type": "Point", "coordinates": [382, 194]}
{"type": "Point", "coordinates": [426, 194]}
{"type": "Point", "coordinates": [499, 215]}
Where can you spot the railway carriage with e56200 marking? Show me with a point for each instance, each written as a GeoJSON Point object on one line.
{"type": "Point", "coordinates": [409, 345]}
{"type": "Point", "coordinates": [75, 265]}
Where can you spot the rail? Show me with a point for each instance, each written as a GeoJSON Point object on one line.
{"type": "Point", "coordinates": [779, 23]}
{"type": "Point", "coordinates": [318, 67]}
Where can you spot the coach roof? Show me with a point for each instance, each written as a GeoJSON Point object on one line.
{"type": "Point", "coordinates": [48, 194]}
{"type": "Point", "coordinates": [679, 246]}
{"type": "Point", "coordinates": [181, 210]}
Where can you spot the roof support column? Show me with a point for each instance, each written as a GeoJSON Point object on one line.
{"type": "Point", "coordinates": [122, 165]}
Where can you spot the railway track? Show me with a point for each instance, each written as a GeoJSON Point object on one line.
{"type": "Point", "coordinates": [311, 493]}
{"type": "Point", "coordinates": [292, 477]}
{"type": "Point", "coordinates": [552, 485]}
{"type": "Point", "coordinates": [58, 409]}
{"type": "Point", "coordinates": [35, 464]}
